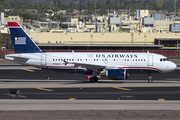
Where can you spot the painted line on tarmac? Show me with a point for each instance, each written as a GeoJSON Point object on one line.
{"type": "Point", "coordinates": [161, 99]}
{"type": "Point", "coordinates": [28, 70]}
{"type": "Point", "coordinates": [121, 88]}
{"type": "Point", "coordinates": [72, 98]}
{"type": "Point", "coordinates": [44, 89]}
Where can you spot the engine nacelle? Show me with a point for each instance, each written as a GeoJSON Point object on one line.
{"type": "Point", "coordinates": [116, 74]}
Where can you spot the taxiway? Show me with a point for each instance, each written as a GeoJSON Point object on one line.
{"type": "Point", "coordinates": [50, 95]}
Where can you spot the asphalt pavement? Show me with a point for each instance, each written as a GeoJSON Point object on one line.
{"type": "Point", "coordinates": [37, 74]}
{"type": "Point", "coordinates": [45, 94]}
{"type": "Point", "coordinates": [105, 93]}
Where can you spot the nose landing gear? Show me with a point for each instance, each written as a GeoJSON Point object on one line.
{"type": "Point", "coordinates": [150, 78]}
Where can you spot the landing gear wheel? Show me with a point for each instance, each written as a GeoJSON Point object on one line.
{"type": "Point", "coordinates": [93, 79]}
{"type": "Point", "coordinates": [150, 81]}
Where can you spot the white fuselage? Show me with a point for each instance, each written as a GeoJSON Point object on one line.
{"type": "Point", "coordinates": [136, 61]}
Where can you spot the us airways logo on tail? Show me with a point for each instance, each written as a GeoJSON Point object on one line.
{"type": "Point", "coordinates": [20, 40]}
{"type": "Point", "coordinates": [116, 56]}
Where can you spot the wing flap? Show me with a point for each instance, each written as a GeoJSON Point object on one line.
{"type": "Point", "coordinates": [95, 68]}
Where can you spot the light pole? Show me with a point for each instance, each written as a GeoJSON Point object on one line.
{"type": "Point", "coordinates": [175, 8]}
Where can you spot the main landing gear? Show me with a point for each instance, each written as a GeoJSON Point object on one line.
{"type": "Point", "coordinates": [93, 79]}
{"type": "Point", "coordinates": [150, 78]}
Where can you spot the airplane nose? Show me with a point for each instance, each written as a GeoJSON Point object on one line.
{"type": "Point", "coordinates": [173, 66]}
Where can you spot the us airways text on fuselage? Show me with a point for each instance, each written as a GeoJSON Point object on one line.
{"type": "Point", "coordinates": [116, 56]}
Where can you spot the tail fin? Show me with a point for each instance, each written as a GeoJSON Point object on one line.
{"type": "Point", "coordinates": [21, 41]}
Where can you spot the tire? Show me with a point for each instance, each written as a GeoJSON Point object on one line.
{"type": "Point", "coordinates": [93, 79]}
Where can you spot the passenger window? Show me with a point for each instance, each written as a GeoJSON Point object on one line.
{"type": "Point", "coordinates": [161, 59]}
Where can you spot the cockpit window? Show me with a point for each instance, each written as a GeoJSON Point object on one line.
{"type": "Point", "coordinates": [164, 59]}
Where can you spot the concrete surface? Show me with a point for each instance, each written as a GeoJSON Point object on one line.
{"type": "Point", "coordinates": [7, 104]}
{"type": "Point", "coordinates": [75, 84]}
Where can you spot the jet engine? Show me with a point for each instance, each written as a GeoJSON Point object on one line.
{"type": "Point", "coordinates": [116, 74]}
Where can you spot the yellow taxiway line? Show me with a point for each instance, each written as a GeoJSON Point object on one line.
{"type": "Point", "coordinates": [161, 99]}
{"type": "Point", "coordinates": [72, 98]}
{"type": "Point", "coordinates": [28, 70]}
{"type": "Point", "coordinates": [121, 88]}
{"type": "Point", "coordinates": [44, 89]}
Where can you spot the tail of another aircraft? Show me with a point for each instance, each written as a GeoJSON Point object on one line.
{"type": "Point", "coordinates": [21, 41]}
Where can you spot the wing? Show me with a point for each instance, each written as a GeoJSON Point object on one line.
{"type": "Point", "coordinates": [96, 67]}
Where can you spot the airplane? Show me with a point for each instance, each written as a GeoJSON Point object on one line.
{"type": "Point", "coordinates": [113, 65]}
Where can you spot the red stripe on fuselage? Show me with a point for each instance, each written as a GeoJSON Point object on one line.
{"type": "Point", "coordinates": [61, 67]}
{"type": "Point", "coordinates": [13, 24]}
{"type": "Point", "coordinates": [75, 67]}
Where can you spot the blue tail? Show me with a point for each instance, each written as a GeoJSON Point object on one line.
{"type": "Point", "coordinates": [21, 41]}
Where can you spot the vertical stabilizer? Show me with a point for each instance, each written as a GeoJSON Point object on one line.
{"type": "Point", "coordinates": [21, 41]}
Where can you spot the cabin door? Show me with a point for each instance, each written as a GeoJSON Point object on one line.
{"type": "Point", "coordinates": [150, 60]}
{"type": "Point", "coordinates": [43, 59]}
